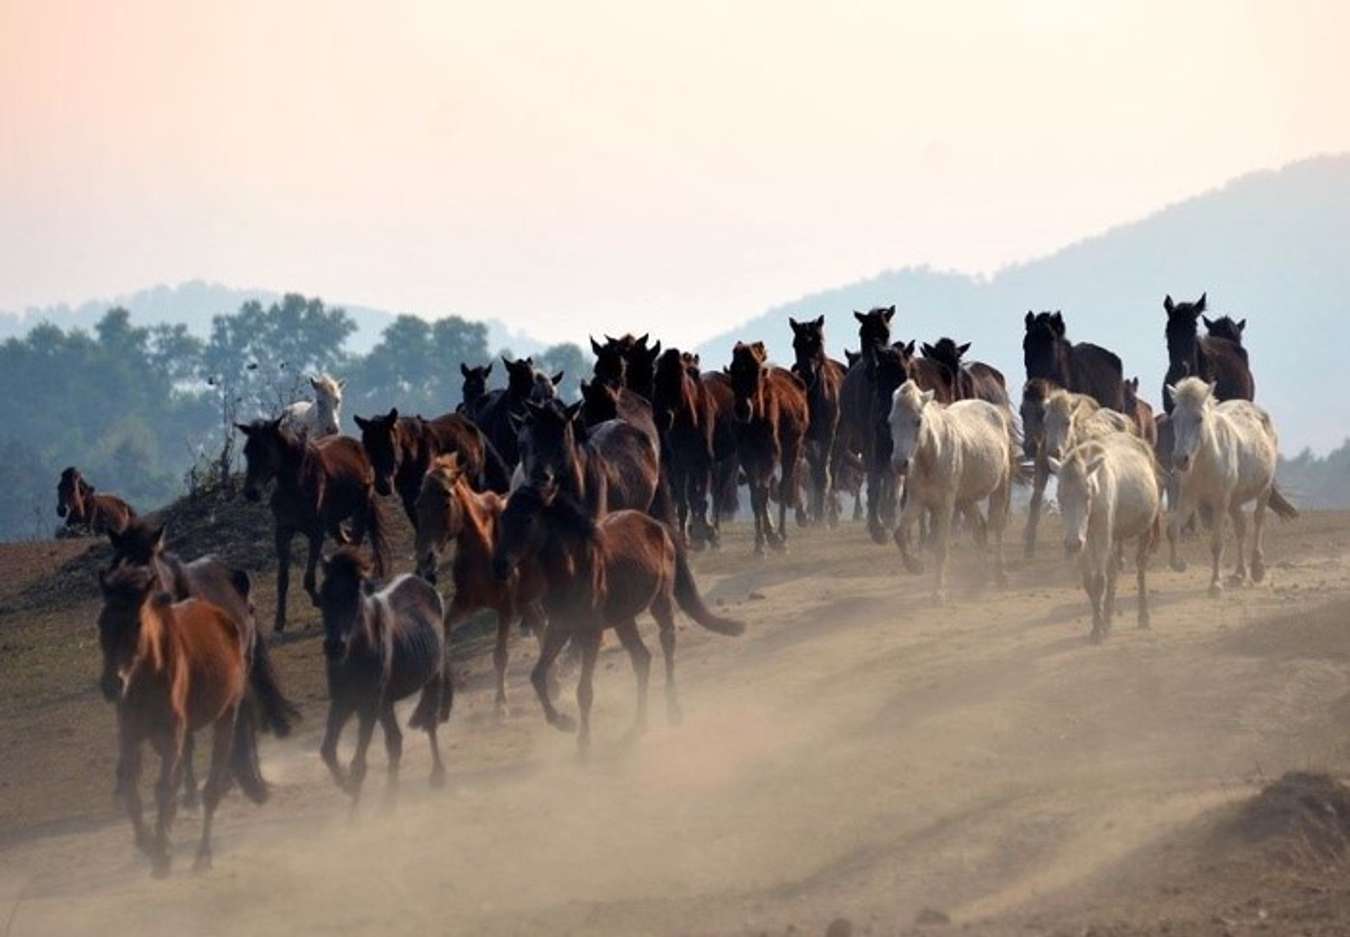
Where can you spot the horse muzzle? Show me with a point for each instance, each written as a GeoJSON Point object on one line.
{"type": "Point", "coordinates": [1181, 462]}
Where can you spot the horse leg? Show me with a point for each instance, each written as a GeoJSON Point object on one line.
{"type": "Point", "coordinates": [1141, 575]}
{"type": "Point", "coordinates": [1093, 585]}
{"type": "Point", "coordinates": [283, 537]}
{"type": "Point", "coordinates": [758, 497]}
{"type": "Point", "coordinates": [789, 488]}
{"type": "Point", "coordinates": [874, 498]}
{"type": "Point", "coordinates": [170, 748]}
{"type": "Point", "coordinates": [665, 619]}
{"type": "Point", "coordinates": [501, 656]}
{"type": "Point", "coordinates": [590, 650]}
{"type": "Point", "coordinates": [1039, 481]}
{"type": "Point", "coordinates": [1258, 534]}
{"type": "Point", "coordinates": [1240, 535]}
{"type": "Point", "coordinates": [1114, 564]}
{"type": "Point", "coordinates": [190, 799]}
{"type": "Point", "coordinates": [554, 638]}
{"type": "Point", "coordinates": [365, 730]}
{"type": "Point", "coordinates": [128, 784]}
{"type": "Point", "coordinates": [339, 711]}
{"type": "Point", "coordinates": [217, 781]}
{"type": "Point", "coordinates": [642, 668]}
{"type": "Point", "coordinates": [942, 530]}
{"type": "Point", "coordinates": [312, 564]}
{"type": "Point", "coordinates": [1000, 506]}
{"type": "Point", "coordinates": [393, 747]}
{"type": "Point", "coordinates": [1183, 510]}
{"type": "Point", "coordinates": [1216, 549]}
{"type": "Point", "coordinates": [912, 509]}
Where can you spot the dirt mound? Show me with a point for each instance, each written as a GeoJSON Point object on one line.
{"type": "Point", "coordinates": [214, 520]}
{"type": "Point", "coordinates": [1301, 809]}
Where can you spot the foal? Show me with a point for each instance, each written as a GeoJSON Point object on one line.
{"type": "Point", "coordinates": [173, 669]}
{"type": "Point", "coordinates": [449, 510]}
{"type": "Point", "coordinates": [381, 647]}
{"type": "Point", "coordinates": [81, 507]}
{"type": "Point", "coordinates": [600, 575]}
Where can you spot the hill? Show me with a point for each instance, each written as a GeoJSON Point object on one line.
{"type": "Point", "coordinates": [1269, 246]}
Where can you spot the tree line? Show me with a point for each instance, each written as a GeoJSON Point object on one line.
{"type": "Point", "coordinates": [144, 410]}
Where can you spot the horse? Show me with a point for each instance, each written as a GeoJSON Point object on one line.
{"type": "Point", "coordinates": [381, 647]}
{"type": "Point", "coordinates": [823, 377]}
{"type": "Point", "coordinates": [321, 416]}
{"type": "Point", "coordinates": [599, 575]}
{"type": "Point", "coordinates": [1221, 361]}
{"type": "Point", "coordinates": [607, 467]}
{"type": "Point", "coordinates": [1225, 327]}
{"type": "Point", "coordinates": [1225, 455]}
{"type": "Point", "coordinates": [474, 388]}
{"type": "Point", "coordinates": [449, 510]}
{"type": "Point", "coordinates": [81, 506]}
{"type": "Point", "coordinates": [772, 422]}
{"type": "Point", "coordinates": [174, 668]}
{"type": "Point", "coordinates": [141, 545]}
{"type": "Point", "coordinates": [952, 456]}
{"type": "Point", "coordinates": [1071, 419]}
{"type": "Point", "coordinates": [626, 362]}
{"type": "Point", "coordinates": [400, 450]}
{"type": "Point", "coordinates": [1109, 492]}
{"type": "Point", "coordinates": [726, 468]}
{"type": "Point", "coordinates": [892, 366]}
{"type": "Point", "coordinates": [859, 415]}
{"type": "Point", "coordinates": [685, 415]}
{"type": "Point", "coordinates": [497, 411]}
{"type": "Point", "coordinates": [1141, 412]}
{"type": "Point", "coordinates": [973, 381]}
{"type": "Point", "coordinates": [319, 485]}
{"type": "Point", "coordinates": [1082, 367]}
{"type": "Point", "coordinates": [601, 401]}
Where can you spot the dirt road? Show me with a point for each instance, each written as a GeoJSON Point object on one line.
{"type": "Point", "coordinates": [857, 753]}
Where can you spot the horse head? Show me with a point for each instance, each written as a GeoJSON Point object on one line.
{"type": "Point", "coordinates": [748, 367]}
{"type": "Point", "coordinates": [382, 438]}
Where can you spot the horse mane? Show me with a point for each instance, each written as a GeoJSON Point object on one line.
{"type": "Point", "coordinates": [131, 583]}
{"type": "Point", "coordinates": [910, 395]}
{"type": "Point", "coordinates": [565, 512]}
{"type": "Point", "coordinates": [1191, 392]}
{"type": "Point", "coordinates": [329, 385]}
{"type": "Point", "coordinates": [1070, 404]}
{"type": "Point", "coordinates": [348, 565]}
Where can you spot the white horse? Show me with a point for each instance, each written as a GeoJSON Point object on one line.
{"type": "Point", "coordinates": [1110, 491]}
{"type": "Point", "coordinates": [1071, 419]}
{"type": "Point", "coordinates": [318, 417]}
{"type": "Point", "coordinates": [952, 455]}
{"type": "Point", "coordinates": [1224, 454]}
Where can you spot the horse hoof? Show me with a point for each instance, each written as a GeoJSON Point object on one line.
{"type": "Point", "coordinates": [913, 566]}
{"type": "Point", "coordinates": [1178, 566]}
{"type": "Point", "coordinates": [190, 799]}
{"type": "Point", "coordinates": [778, 546]}
{"type": "Point", "coordinates": [1237, 580]}
{"type": "Point", "coordinates": [202, 863]}
{"type": "Point", "coordinates": [563, 723]}
{"type": "Point", "coordinates": [1097, 635]}
{"type": "Point", "coordinates": [1258, 572]}
{"type": "Point", "coordinates": [878, 535]}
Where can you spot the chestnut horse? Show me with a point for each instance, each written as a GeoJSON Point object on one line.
{"type": "Point", "coordinates": [824, 378]}
{"type": "Point", "coordinates": [686, 417]}
{"type": "Point", "coordinates": [319, 484]}
{"type": "Point", "coordinates": [772, 422]}
{"type": "Point", "coordinates": [600, 575]}
{"type": "Point", "coordinates": [450, 511]}
{"type": "Point", "coordinates": [1216, 358]}
{"type": "Point", "coordinates": [382, 646]}
{"type": "Point", "coordinates": [402, 448]}
{"type": "Point", "coordinates": [78, 503]}
{"type": "Point", "coordinates": [1082, 368]}
{"type": "Point", "coordinates": [1141, 413]}
{"type": "Point", "coordinates": [726, 466]}
{"type": "Point", "coordinates": [173, 669]}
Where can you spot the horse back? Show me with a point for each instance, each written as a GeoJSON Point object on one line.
{"type": "Point", "coordinates": [212, 645]}
{"type": "Point", "coordinates": [788, 392]}
{"type": "Point", "coordinates": [623, 459]}
{"type": "Point", "coordinates": [414, 634]}
{"type": "Point", "coordinates": [1099, 373]}
{"type": "Point", "coordinates": [932, 375]}
{"type": "Point", "coordinates": [1227, 366]}
{"type": "Point", "coordinates": [639, 561]}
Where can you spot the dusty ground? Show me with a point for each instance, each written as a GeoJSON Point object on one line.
{"type": "Point", "coordinates": [857, 754]}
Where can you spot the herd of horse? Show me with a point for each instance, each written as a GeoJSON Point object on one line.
{"type": "Point", "coordinates": [575, 518]}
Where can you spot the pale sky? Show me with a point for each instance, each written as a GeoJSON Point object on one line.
{"type": "Point", "coordinates": [587, 166]}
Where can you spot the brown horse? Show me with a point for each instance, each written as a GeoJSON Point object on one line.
{"type": "Point", "coordinates": [968, 381]}
{"type": "Point", "coordinates": [726, 468]}
{"type": "Point", "coordinates": [608, 468]}
{"type": "Point", "coordinates": [824, 379]}
{"type": "Point", "coordinates": [496, 412]}
{"type": "Point", "coordinates": [141, 545]}
{"type": "Point", "coordinates": [1082, 368]}
{"type": "Point", "coordinates": [627, 362]}
{"type": "Point", "coordinates": [474, 388]}
{"type": "Point", "coordinates": [382, 646]}
{"type": "Point", "coordinates": [319, 485]}
{"type": "Point", "coordinates": [1141, 413]}
{"type": "Point", "coordinates": [450, 511]}
{"type": "Point", "coordinates": [1216, 360]}
{"type": "Point", "coordinates": [401, 449]}
{"type": "Point", "coordinates": [686, 417]}
{"type": "Point", "coordinates": [78, 503]}
{"type": "Point", "coordinates": [173, 669]}
{"type": "Point", "coordinates": [860, 419]}
{"type": "Point", "coordinates": [600, 575]}
{"type": "Point", "coordinates": [772, 422]}
{"type": "Point", "coordinates": [601, 401]}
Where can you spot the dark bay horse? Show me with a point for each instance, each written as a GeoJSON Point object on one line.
{"type": "Point", "coordinates": [402, 448]}
{"type": "Point", "coordinates": [859, 417]}
{"type": "Point", "coordinates": [686, 417]}
{"type": "Point", "coordinates": [497, 410]}
{"type": "Point", "coordinates": [381, 646]}
{"type": "Point", "coordinates": [319, 485]}
{"type": "Point", "coordinates": [141, 545]}
{"type": "Point", "coordinates": [772, 420]}
{"type": "Point", "coordinates": [601, 401]}
{"type": "Point", "coordinates": [449, 511]}
{"type": "Point", "coordinates": [1083, 368]}
{"type": "Point", "coordinates": [601, 574]}
{"type": "Point", "coordinates": [607, 467]}
{"type": "Point", "coordinates": [626, 362]}
{"type": "Point", "coordinates": [824, 380]}
{"type": "Point", "coordinates": [1216, 360]}
{"type": "Point", "coordinates": [174, 669]}
{"type": "Point", "coordinates": [474, 388]}
{"type": "Point", "coordinates": [726, 469]}
{"type": "Point", "coordinates": [973, 380]}
{"type": "Point", "coordinates": [81, 506]}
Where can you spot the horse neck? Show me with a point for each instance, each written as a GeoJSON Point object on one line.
{"type": "Point", "coordinates": [479, 514]}
{"type": "Point", "coordinates": [156, 650]}
{"type": "Point", "coordinates": [574, 566]}
{"type": "Point", "coordinates": [934, 437]}
{"type": "Point", "coordinates": [1184, 348]}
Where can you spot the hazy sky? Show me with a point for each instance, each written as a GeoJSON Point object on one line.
{"type": "Point", "coordinates": [587, 166]}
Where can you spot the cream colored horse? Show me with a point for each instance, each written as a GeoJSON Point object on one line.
{"type": "Point", "coordinates": [321, 416]}
{"type": "Point", "coordinates": [1224, 455]}
{"type": "Point", "coordinates": [952, 455]}
{"type": "Point", "coordinates": [1110, 491]}
{"type": "Point", "coordinates": [1071, 419]}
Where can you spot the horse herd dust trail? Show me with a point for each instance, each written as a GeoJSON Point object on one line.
{"type": "Point", "coordinates": [858, 753]}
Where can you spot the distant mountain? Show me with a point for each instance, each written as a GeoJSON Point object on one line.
{"type": "Point", "coordinates": [1273, 247]}
{"type": "Point", "coordinates": [195, 302]}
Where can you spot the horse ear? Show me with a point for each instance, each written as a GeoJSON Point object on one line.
{"type": "Point", "coordinates": [890, 311]}
{"type": "Point", "coordinates": [1213, 386]}
{"type": "Point", "coordinates": [361, 422]}
{"type": "Point", "coordinates": [642, 342]}
{"type": "Point", "coordinates": [859, 316]}
{"type": "Point", "coordinates": [275, 425]}
{"type": "Point", "coordinates": [1170, 391]}
{"type": "Point", "coordinates": [454, 464]}
{"type": "Point", "coordinates": [654, 352]}
{"type": "Point", "coordinates": [392, 415]}
{"type": "Point", "coordinates": [909, 349]}
{"type": "Point", "coordinates": [313, 382]}
{"type": "Point", "coordinates": [571, 411]}
{"type": "Point", "coordinates": [1242, 326]}
{"type": "Point", "coordinates": [795, 325]}
{"type": "Point", "coordinates": [1031, 317]}
{"type": "Point", "coordinates": [1200, 303]}
{"type": "Point", "coordinates": [116, 539]}
{"type": "Point", "coordinates": [245, 428]}
{"type": "Point", "coordinates": [1208, 323]}
{"type": "Point", "coordinates": [1058, 322]}
{"type": "Point", "coordinates": [1097, 462]}
{"type": "Point", "coordinates": [962, 349]}
{"type": "Point", "coordinates": [1168, 304]}
{"type": "Point", "coordinates": [507, 361]}
{"type": "Point", "coordinates": [928, 396]}
{"type": "Point", "coordinates": [726, 369]}
{"type": "Point", "coordinates": [1053, 464]}
{"type": "Point", "coordinates": [487, 372]}
{"type": "Point", "coordinates": [464, 369]}
{"type": "Point", "coordinates": [596, 347]}
{"type": "Point", "coordinates": [928, 350]}
{"type": "Point", "coordinates": [694, 359]}
{"type": "Point", "coordinates": [557, 378]}
{"type": "Point", "coordinates": [820, 322]}
{"type": "Point", "coordinates": [759, 350]}
{"type": "Point", "coordinates": [157, 538]}
{"type": "Point", "coordinates": [516, 420]}
{"type": "Point", "coordinates": [342, 383]}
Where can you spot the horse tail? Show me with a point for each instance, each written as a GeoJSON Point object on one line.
{"type": "Point", "coordinates": [244, 755]}
{"type": "Point", "coordinates": [727, 501]}
{"type": "Point", "coordinates": [496, 473]}
{"type": "Point", "coordinates": [662, 506]}
{"type": "Point", "coordinates": [687, 595]}
{"type": "Point", "coordinates": [1281, 506]}
{"type": "Point", "coordinates": [379, 540]}
{"type": "Point", "coordinates": [278, 713]}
